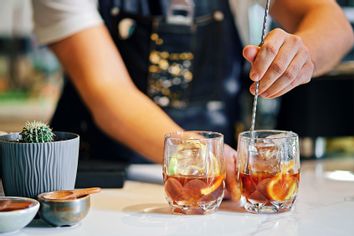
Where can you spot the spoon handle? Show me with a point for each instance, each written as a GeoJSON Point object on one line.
{"type": "Point", "coordinates": [86, 191]}
{"type": "Point", "coordinates": [255, 99]}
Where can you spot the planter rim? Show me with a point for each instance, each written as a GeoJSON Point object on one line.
{"type": "Point", "coordinates": [4, 140]}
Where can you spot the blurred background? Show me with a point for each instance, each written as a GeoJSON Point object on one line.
{"type": "Point", "coordinates": [30, 76]}
{"type": "Point", "coordinates": [322, 112]}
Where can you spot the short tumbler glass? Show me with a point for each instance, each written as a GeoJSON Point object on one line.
{"type": "Point", "coordinates": [268, 170]}
{"type": "Point", "coordinates": [194, 171]}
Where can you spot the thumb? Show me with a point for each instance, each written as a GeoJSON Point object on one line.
{"type": "Point", "coordinates": [232, 183]}
{"type": "Point", "coordinates": [250, 52]}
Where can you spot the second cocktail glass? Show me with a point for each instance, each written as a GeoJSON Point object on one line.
{"type": "Point", "coordinates": [194, 171]}
{"type": "Point", "coordinates": [268, 169]}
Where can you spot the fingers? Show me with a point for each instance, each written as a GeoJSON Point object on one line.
{"type": "Point", "coordinates": [250, 52]}
{"type": "Point", "coordinates": [303, 77]}
{"type": "Point", "coordinates": [279, 67]}
{"type": "Point", "coordinates": [282, 63]}
{"type": "Point", "coordinates": [272, 86]}
{"type": "Point", "coordinates": [267, 54]}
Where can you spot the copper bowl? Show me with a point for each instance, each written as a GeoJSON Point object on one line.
{"type": "Point", "coordinates": [63, 212]}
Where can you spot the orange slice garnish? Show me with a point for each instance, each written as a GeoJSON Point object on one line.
{"type": "Point", "coordinates": [282, 187]}
{"type": "Point", "coordinates": [208, 190]}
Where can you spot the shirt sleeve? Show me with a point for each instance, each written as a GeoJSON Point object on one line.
{"type": "Point", "coordinates": [57, 19]}
{"type": "Point", "coordinates": [248, 16]}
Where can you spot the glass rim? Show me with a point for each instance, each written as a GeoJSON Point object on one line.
{"type": "Point", "coordinates": [291, 134]}
{"type": "Point", "coordinates": [178, 133]}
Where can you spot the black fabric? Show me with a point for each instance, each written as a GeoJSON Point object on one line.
{"type": "Point", "coordinates": [216, 68]}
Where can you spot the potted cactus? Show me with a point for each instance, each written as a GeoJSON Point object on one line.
{"type": "Point", "coordinates": [38, 160]}
{"type": "Point", "coordinates": [36, 132]}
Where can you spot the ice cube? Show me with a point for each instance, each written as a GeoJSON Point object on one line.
{"type": "Point", "coordinates": [267, 150]}
{"type": "Point", "coordinates": [282, 135]}
{"type": "Point", "coordinates": [191, 158]}
{"type": "Point", "coordinates": [264, 157]}
{"type": "Point", "coordinates": [284, 145]}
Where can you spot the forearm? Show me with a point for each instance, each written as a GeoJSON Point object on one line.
{"type": "Point", "coordinates": [328, 35]}
{"type": "Point", "coordinates": [134, 120]}
{"type": "Point", "coordinates": [323, 28]}
{"type": "Point", "coordinates": [117, 106]}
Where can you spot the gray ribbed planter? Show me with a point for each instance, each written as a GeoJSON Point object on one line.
{"type": "Point", "coordinates": [29, 169]}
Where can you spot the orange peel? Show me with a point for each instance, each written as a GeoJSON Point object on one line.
{"type": "Point", "coordinates": [282, 188]}
{"type": "Point", "coordinates": [208, 190]}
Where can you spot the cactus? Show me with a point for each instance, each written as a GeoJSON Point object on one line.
{"type": "Point", "coordinates": [36, 132]}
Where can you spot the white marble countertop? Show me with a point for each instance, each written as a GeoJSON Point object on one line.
{"type": "Point", "coordinates": [324, 207]}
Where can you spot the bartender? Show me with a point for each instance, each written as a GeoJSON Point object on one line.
{"type": "Point", "coordinates": [137, 70]}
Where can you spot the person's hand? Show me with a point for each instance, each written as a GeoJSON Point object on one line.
{"type": "Point", "coordinates": [280, 64]}
{"type": "Point", "coordinates": [232, 184]}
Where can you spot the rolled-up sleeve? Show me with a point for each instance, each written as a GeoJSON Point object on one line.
{"type": "Point", "coordinates": [57, 19]}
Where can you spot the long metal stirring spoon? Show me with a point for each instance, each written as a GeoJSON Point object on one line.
{"type": "Point", "coordinates": [255, 100]}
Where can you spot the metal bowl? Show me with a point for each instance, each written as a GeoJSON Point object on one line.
{"type": "Point", "coordinates": [14, 220]}
{"type": "Point", "coordinates": [63, 212]}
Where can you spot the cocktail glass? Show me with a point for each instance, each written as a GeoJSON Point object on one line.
{"type": "Point", "coordinates": [268, 168]}
{"type": "Point", "coordinates": [194, 171]}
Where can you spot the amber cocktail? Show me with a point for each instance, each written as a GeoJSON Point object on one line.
{"type": "Point", "coordinates": [269, 170]}
{"type": "Point", "coordinates": [194, 171]}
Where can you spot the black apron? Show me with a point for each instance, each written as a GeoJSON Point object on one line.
{"type": "Point", "coordinates": [192, 72]}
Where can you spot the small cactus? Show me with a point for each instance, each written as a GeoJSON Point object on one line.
{"type": "Point", "coordinates": [36, 132]}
